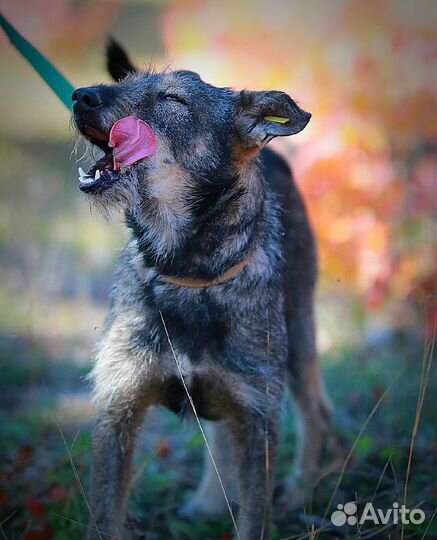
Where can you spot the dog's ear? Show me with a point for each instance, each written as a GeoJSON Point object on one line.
{"type": "Point", "coordinates": [260, 116]}
{"type": "Point", "coordinates": [117, 61]}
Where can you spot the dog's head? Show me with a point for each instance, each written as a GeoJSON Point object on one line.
{"type": "Point", "coordinates": [203, 134]}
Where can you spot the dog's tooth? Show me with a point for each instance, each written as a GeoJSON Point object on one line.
{"type": "Point", "coordinates": [86, 179]}
{"type": "Point", "coordinates": [97, 175]}
{"type": "Point", "coordinates": [81, 172]}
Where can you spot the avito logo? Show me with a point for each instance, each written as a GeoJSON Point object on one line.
{"type": "Point", "coordinates": [348, 513]}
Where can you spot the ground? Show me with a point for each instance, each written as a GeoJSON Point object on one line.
{"type": "Point", "coordinates": [45, 452]}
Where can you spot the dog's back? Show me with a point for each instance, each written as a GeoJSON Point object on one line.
{"type": "Point", "coordinates": [300, 272]}
{"type": "Point", "coordinates": [299, 244]}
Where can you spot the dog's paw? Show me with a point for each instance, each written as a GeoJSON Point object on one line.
{"type": "Point", "coordinates": [204, 508]}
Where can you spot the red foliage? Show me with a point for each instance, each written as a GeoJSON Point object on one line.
{"type": "Point", "coordinates": [58, 494]}
{"type": "Point", "coordinates": [45, 532]}
{"type": "Point", "coordinates": [367, 162]}
{"type": "Point", "coordinates": [35, 508]}
{"type": "Point", "coordinates": [164, 448]}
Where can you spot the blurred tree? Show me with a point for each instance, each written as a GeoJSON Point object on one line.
{"type": "Point", "coordinates": [367, 163]}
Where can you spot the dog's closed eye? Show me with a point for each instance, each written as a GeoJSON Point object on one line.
{"type": "Point", "coordinates": [166, 96]}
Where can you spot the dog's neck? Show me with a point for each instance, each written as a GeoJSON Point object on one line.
{"type": "Point", "coordinates": [197, 232]}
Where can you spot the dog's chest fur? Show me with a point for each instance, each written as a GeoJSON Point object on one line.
{"type": "Point", "coordinates": [231, 339]}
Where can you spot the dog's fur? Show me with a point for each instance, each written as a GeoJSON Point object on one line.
{"type": "Point", "coordinates": [210, 197]}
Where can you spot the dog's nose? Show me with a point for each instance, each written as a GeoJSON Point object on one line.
{"type": "Point", "coordinates": [87, 98]}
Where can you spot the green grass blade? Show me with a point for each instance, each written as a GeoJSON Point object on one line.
{"type": "Point", "coordinates": [47, 71]}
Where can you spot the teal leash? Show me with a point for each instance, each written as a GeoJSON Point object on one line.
{"type": "Point", "coordinates": [45, 69]}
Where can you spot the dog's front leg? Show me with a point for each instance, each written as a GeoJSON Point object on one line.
{"type": "Point", "coordinates": [113, 443]}
{"type": "Point", "coordinates": [121, 394]}
{"type": "Point", "coordinates": [256, 439]}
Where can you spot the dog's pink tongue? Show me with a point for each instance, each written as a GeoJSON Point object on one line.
{"type": "Point", "coordinates": [132, 139]}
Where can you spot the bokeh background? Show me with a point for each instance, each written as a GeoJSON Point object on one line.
{"type": "Point", "coordinates": [367, 166]}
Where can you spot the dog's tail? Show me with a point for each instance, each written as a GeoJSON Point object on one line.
{"type": "Point", "coordinates": [118, 62]}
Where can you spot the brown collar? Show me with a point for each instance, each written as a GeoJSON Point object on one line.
{"type": "Point", "coordinates": [195, 283]}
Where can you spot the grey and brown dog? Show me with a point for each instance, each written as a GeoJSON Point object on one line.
{"type": "Point", "coordinates": [212, 307]}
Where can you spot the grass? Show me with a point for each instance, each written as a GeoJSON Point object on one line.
{"type": "Point", "coordinates": [40, 497]}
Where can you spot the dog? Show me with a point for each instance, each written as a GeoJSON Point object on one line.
{"type": "Point", "coordinates": [211, 313]}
